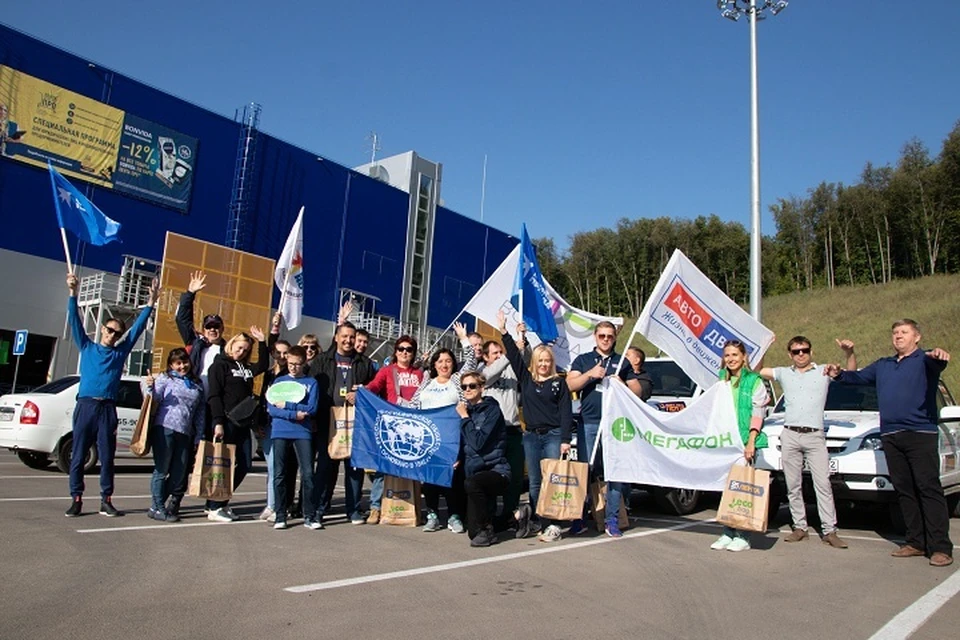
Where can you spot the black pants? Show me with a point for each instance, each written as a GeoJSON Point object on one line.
{"type": "Point", "coordinates": [913, 459]}
{"type": "Point", "coordinates": [480, 488]}
{"type": "Point", "coordinates": [453, 494]}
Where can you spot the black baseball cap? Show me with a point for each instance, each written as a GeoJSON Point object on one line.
{"type": "Point", "coordinates": [212, 319]}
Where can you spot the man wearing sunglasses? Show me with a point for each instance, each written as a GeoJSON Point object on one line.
{"type": "Point", "coordinates": [586, 373]}
{"type": "Point", "coordinates": [805, 394]}
{"type": "Point", "coordinates": [95, 414]}
{"type": "Point", "coordinates": [204, 345]}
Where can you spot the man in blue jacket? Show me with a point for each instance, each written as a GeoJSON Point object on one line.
{"type": "Point", "coordinates": [95, 414]}
{"type": "Point", "coordinates": [907, 394]}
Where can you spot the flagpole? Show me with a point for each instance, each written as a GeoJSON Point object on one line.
{"type": "Point", "coordinates": [633, 332]}
{"type": "Point", "coordinates": [283, 292]}
{"type": "Point", "coordinates": [66, 250]}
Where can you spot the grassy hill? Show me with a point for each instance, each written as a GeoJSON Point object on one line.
{"type": "Point", "coordinates": [863, 314]}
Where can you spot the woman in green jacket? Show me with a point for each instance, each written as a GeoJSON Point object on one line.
{"type": "Point", "coordinates": [750, 401]}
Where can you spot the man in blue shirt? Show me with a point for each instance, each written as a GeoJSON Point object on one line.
{"type": "Point", "coordinates": [907, 394]}
{"type": "Point", "coordinates": [95, 414]}
{"type": "Point", "coordinates": [587, 371]}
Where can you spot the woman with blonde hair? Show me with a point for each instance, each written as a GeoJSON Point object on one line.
{"type": "Point", "coordinates": [230, 379]}
{"type": "Point", "coordinates": [548, 413]}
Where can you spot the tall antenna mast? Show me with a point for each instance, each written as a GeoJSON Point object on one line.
{"type": "Point", "coordinates": [483, 186]}
{"type": "Point", "coordinates": [374, 139]}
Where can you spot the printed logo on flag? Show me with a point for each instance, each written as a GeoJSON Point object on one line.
{"type": "Point", "coordinates": [405, 440]}
{"type": "Point", "coordinates": [685, 315]}
{"type": "Point", "coordinates": [623, 430]}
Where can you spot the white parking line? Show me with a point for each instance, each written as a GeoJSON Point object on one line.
{"type": "Point", "coordinates": [67, 498]}
{"type": "Point", "coordinates": [393, 575]}
{"type": "Point", "coordinates": [171, 527]}
{"type": "Point", "coordinates": [906, 623]}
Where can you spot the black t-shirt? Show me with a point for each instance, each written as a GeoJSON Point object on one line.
{"type": "Point", "coordinates": [591, 398]}
{"type": "Point", "coordinates": [344, 378]}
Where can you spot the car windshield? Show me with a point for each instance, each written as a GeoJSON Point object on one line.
{"type": "Point", "coordinates": [669, 379]}
{"type": "Point", "coordinates": [57, 385]}
{"type": "Point", "coordinates": [846, 397]}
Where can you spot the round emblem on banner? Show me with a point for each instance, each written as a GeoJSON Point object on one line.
{"type": "Point", "coordinates": [185, 152]}
{"type": "Point", "coordinates": [406, 440]}
{"type": "Point", "coordinates": [623, 430]}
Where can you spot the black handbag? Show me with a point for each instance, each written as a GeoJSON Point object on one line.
{"type": "Point", "coordinates": [245, 414]}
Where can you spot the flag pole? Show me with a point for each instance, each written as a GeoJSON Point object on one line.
{"type": "Point", "coordinates": [283, 292]}
{"type": "Point", "coordinates": [66, 250]}
{"type": "Point", "coordinates": [633, 332]}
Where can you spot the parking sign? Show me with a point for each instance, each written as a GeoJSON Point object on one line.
{"type": "Point", "coordinates": [20, 342]}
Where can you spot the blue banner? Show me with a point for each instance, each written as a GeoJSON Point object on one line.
{"type": "Point", "coordinates": [537, 305]}
{"type": "Point", "coordinates": [407, 443]}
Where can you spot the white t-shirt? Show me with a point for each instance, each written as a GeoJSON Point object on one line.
{"type": "Point", "coordinates": [439, 394]}
{"type": "Point", "coordinates": [208, 357]}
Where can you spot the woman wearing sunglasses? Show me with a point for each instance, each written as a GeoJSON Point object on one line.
{"type": "Point", "coordinates": [483, 433]}
{"type": "Point", "coordinates": [548, 413]}
{"type": "Point", "coordinates": [749, 399]}
{"type": "Point", "coordinates": [396, 383]}
{"type": "Point", "coordinates": [441, 388]}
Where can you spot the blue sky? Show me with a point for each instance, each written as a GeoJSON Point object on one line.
{"type": "Point", "coordinates": [588, 112]}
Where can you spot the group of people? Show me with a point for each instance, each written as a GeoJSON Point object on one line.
{"type": "Point", "coordinates": [207, 392]}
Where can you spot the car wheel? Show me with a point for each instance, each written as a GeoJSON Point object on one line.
{"type": "Point", "coordinates": [34, 459]}
{"type": "Point", "coordinates": [681, 502]}
{"type": "Point", "coordinates": [65, 452]}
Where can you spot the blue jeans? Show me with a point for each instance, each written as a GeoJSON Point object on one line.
{"type": "Point", "coordinates": [93, 420]}
{"type": "Point", "coordinates": [537, 447]}
{"type": "Point", "coordinates": [376, 490]}
{"type": "Point", "coordinates": [171, 452]}
{"type": "Point", "coordinates": [304, 453]}
{"type": "Point", "coordinates": [267, 446]}
{"type": "Point", "coordinates": [244, 460]}
{"type": "Point", "coordinates": [615, 490]}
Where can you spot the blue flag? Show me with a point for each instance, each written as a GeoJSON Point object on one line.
{"type": "Point", "coordinates": [77, 214]}
{"type": "Point", "coordinates": [407, 443]}
{"type": "Point", "coordinates": [537, 305]}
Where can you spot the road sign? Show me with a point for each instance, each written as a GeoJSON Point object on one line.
{"type": "Point", "coordinates": [20, 343]}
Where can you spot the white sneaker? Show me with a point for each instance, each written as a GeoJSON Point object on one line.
{"type": "Point", "coordinates": [234, 517]}
{"type": "Point", "coordinates": [722, 543]}
{"type": "Point", "coordinates": [738, 544]}
{"type": "Point", "coordinates": [272, 518]}
{"type": "Point", "coordinates": [280, 526]}
{"type": "Point", "coordinates": [220, 515]}
{"type": "Point", "coordinates": [550, 534]}
{"type": "Point", "coordinates": [266, 513]}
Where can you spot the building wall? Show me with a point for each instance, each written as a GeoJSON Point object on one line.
{"type": "Point", "coordinates": [354, 226]}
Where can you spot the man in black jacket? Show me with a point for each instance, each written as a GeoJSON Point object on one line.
{"type": "Point", "coordinates": [205, 345]}
{"type": "Point", "coordinates": [340, 372]}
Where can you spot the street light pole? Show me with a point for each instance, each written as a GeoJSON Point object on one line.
{"type": "Point", "coordinates": [733, 9]}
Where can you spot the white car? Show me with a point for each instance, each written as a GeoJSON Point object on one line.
{"type": "Point", "coordinates": [38, 425]}
{"type": "Point", "coordinates": [858, 468]}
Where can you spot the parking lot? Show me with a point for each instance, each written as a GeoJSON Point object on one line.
{"type": "Point", "coordinates": [94, 577]}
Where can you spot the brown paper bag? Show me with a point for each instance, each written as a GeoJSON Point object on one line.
{"type": "Point", "coordinates": [140, 440]}
{"type": "Point", "coordinates": [340, 442]}
{"type": "Point", "coordinates": [563, 489]}
{"type": "Point", "coordinates": [213, 471]}
{"type": "Point", "coordinates": [598, 496]}
{"type": "Point", "coordinates": [745, 499]}
{"type": "Point", "coordinates": [401, 502]}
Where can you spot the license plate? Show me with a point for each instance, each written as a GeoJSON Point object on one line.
{"type": "Point", "coordinates": [671, 407]}
{"type": "Point", "coordinates": [6, 417]}
{"type": "Point", "coordinates": [833, 465]}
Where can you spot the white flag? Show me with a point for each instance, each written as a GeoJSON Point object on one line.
{"type": "Point", "coordinates": [289, 275]}
{"type": "Point", "coordinates": [691, 319]}
{"type": "Point", "coordinates": [692, 449]}
{"type": "Point", "coordinates": [574, 326]}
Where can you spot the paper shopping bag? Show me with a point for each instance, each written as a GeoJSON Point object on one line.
{"type": "Point", "coordinates": [340, 442]}
{"type": "Point", "coordinates": [745, 499]}
{"type": "Point", "coordinates": [213, 471]}
{"type": "Point", "coordinates": [563, 489]}
{"type": "Point", "coordinates": [598, 496]}
{"type": "Point", "coordinates": [401, 502]}
{"type": "Point", "coordinates": [140, 440]}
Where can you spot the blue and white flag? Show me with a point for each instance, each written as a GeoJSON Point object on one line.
{"type": "Point", "coordinates": [77, 214]}
{"type": "Point", "coordinates": [408, 443]}
{"type": "Point", "coordinates": [537, 304]}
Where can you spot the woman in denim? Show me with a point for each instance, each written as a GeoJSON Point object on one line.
{"type": "Point", "coordinates": [548, 413]}
{"type": "Point", "coordinates": [749, 400]}
{"type": "Point", "coordinates": [178, 397]}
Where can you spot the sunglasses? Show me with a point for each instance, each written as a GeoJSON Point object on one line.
{"type": "Point", "coordinates": [404, 349]}
{"type": "Point", "coordinates": [796, 352]}
{"type": "Point", "coordinates": [605, 336]}
{"type": "Point", "coordinates": [472, 386]}
{"type": "Point", "coordinates": [215, 327]}
{"type": "Point", "coordinates": [111, 330]}
{"type": "Point", "coordinates": [310, 347]}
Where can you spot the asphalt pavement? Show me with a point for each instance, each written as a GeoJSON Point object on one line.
{"type": "Point", "coordinates": [113, 578]}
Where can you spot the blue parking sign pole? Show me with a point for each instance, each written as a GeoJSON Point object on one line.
{"type": "Point", "coordinates": [19, 348]}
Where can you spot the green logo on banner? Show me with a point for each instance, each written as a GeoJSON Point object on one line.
{"type": "Point", "coordinates": [623, 430]}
